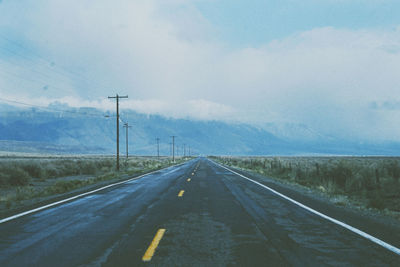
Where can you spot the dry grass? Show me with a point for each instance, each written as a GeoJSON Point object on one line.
{"type": "Point", "coordinates": [27, 178]}
{"type": "Point", "coordinates": [371, 182]}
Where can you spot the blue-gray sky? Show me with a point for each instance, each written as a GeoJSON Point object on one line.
{"type": "Point", "coordinates": [252, 23]}
{"type": "Point", "coordinates": [330, 64]}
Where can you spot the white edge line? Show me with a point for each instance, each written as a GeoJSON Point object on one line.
{"type": "Point", "coordinates": [80, 195]}
{"type": "Point", "coordinates": [349, 227]}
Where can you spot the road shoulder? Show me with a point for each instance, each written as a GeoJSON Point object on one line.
{"type": "Point", "coordinates": [383, 227]}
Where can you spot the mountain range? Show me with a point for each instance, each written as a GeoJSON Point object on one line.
{"type": "Point", "coordinates": [62, 129]}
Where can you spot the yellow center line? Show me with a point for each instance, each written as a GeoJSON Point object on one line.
{"type": "Point", "coordinates": [188, 179]}
{"type": "Point", "coordinates": [181, 193]}
{"type": "Point", "coordinates": [152, 248]}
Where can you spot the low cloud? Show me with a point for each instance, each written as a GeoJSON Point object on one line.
{"type": "Point", "coordinates": [167, 57]}
{"type": "Point", "coordinates": [385, 105]}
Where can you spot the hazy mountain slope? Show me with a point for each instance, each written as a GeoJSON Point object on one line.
{"type": "Point", "coordinates": [87, 130]}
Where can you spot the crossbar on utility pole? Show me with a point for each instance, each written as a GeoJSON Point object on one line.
{"type": "Point", "coordinates": [173, 148]}
{"type": "Point", "coordinates": [158, 147]}
{"type": "Point", "coordinates": [117, 97]}
{"type": "Point", "coordinates": [126, 125]}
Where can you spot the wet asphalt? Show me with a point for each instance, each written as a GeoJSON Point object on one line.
{"type": "Point", "coordinates": [221, 219]}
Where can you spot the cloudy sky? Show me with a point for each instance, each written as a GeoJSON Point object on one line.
{"type": "Point", "coordinates": [333, 65]}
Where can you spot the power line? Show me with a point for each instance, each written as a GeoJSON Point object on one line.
{"type": "Point", "coordinates": [41, 77]}
{"type": "Point", "coordinates": [35, 57]}
{"type": "Point", "coordinates": [52, 109]}
{"type": "Point", "coordinates": [50, 79]}
{"type": "Point", "coordinates": [46, 63]}
{"type": "Point", "coordinates": [35, 81]}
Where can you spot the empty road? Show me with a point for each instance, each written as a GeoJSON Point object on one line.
{"type": "Point", "coordinates": [195, 214]}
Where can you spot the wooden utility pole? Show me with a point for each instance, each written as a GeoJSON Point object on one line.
{"type": "Point", "coordinates": [117, 97]}
{"type": "Point", "coordinates": [173, 148]}
{"type": "Point", "coordinates": [158, 147]}
{"type": "Point", "coordinates": [126, 125]}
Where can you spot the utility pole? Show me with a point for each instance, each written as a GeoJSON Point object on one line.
{"type": "Point", "coordinates": [184, 150]}
{"type": "Point", "coordinates": [189, 150]}
{"type": "Point", "coordinates": [158, 147]}
{"type": "Point", "coordinates": [173, 148]}
{"type": "Point", "coordinates": [126, 125]}
{"type": "Point", "coordinates": [117, 97]}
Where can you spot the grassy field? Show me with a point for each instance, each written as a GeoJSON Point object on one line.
{"type": "Point", "coordinates": [368, 182]}
{"type": "Point", "coordinates": [32, 176]}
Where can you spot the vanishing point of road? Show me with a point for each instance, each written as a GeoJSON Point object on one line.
{"type": "Point", "coordinates": [194, 214]}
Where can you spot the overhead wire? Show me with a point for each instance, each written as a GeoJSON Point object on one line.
{"type": "Point", "coordinates": [50, 65]}
{"type": "Point", "coordinates": [42, 63]}
{"type": "Point", "coordinates": [58, 81]}
{"type": "Point", "coordinates": [35, 80]}
{"type": "Point", "coordinates": [25, 56]}
{"type": "Point", "coordinates": [63, 111]}
{"type": "Point", "coordinates": [53, 109]}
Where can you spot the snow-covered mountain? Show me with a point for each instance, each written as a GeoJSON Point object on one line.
{"type": "Point", "coordinates": [61, 129]}
{"type": "Point", "coordinates": [295, 132]}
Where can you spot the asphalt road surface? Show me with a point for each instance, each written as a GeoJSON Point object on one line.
{"type": "Point", "coordinates": [210, 217]}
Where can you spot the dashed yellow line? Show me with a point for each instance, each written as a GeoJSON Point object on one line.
{"type": "Point", "coordinates": [152, 248]}
{"type": "Point", "coordinates": [189, 179]}
{"type": "Point", "coordinates": [181, 193]}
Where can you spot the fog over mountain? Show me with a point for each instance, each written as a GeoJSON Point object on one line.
{"type": "Point", "coordinates": [62, 129]}
{"type": "Point", "coordinates": [311, 68]}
